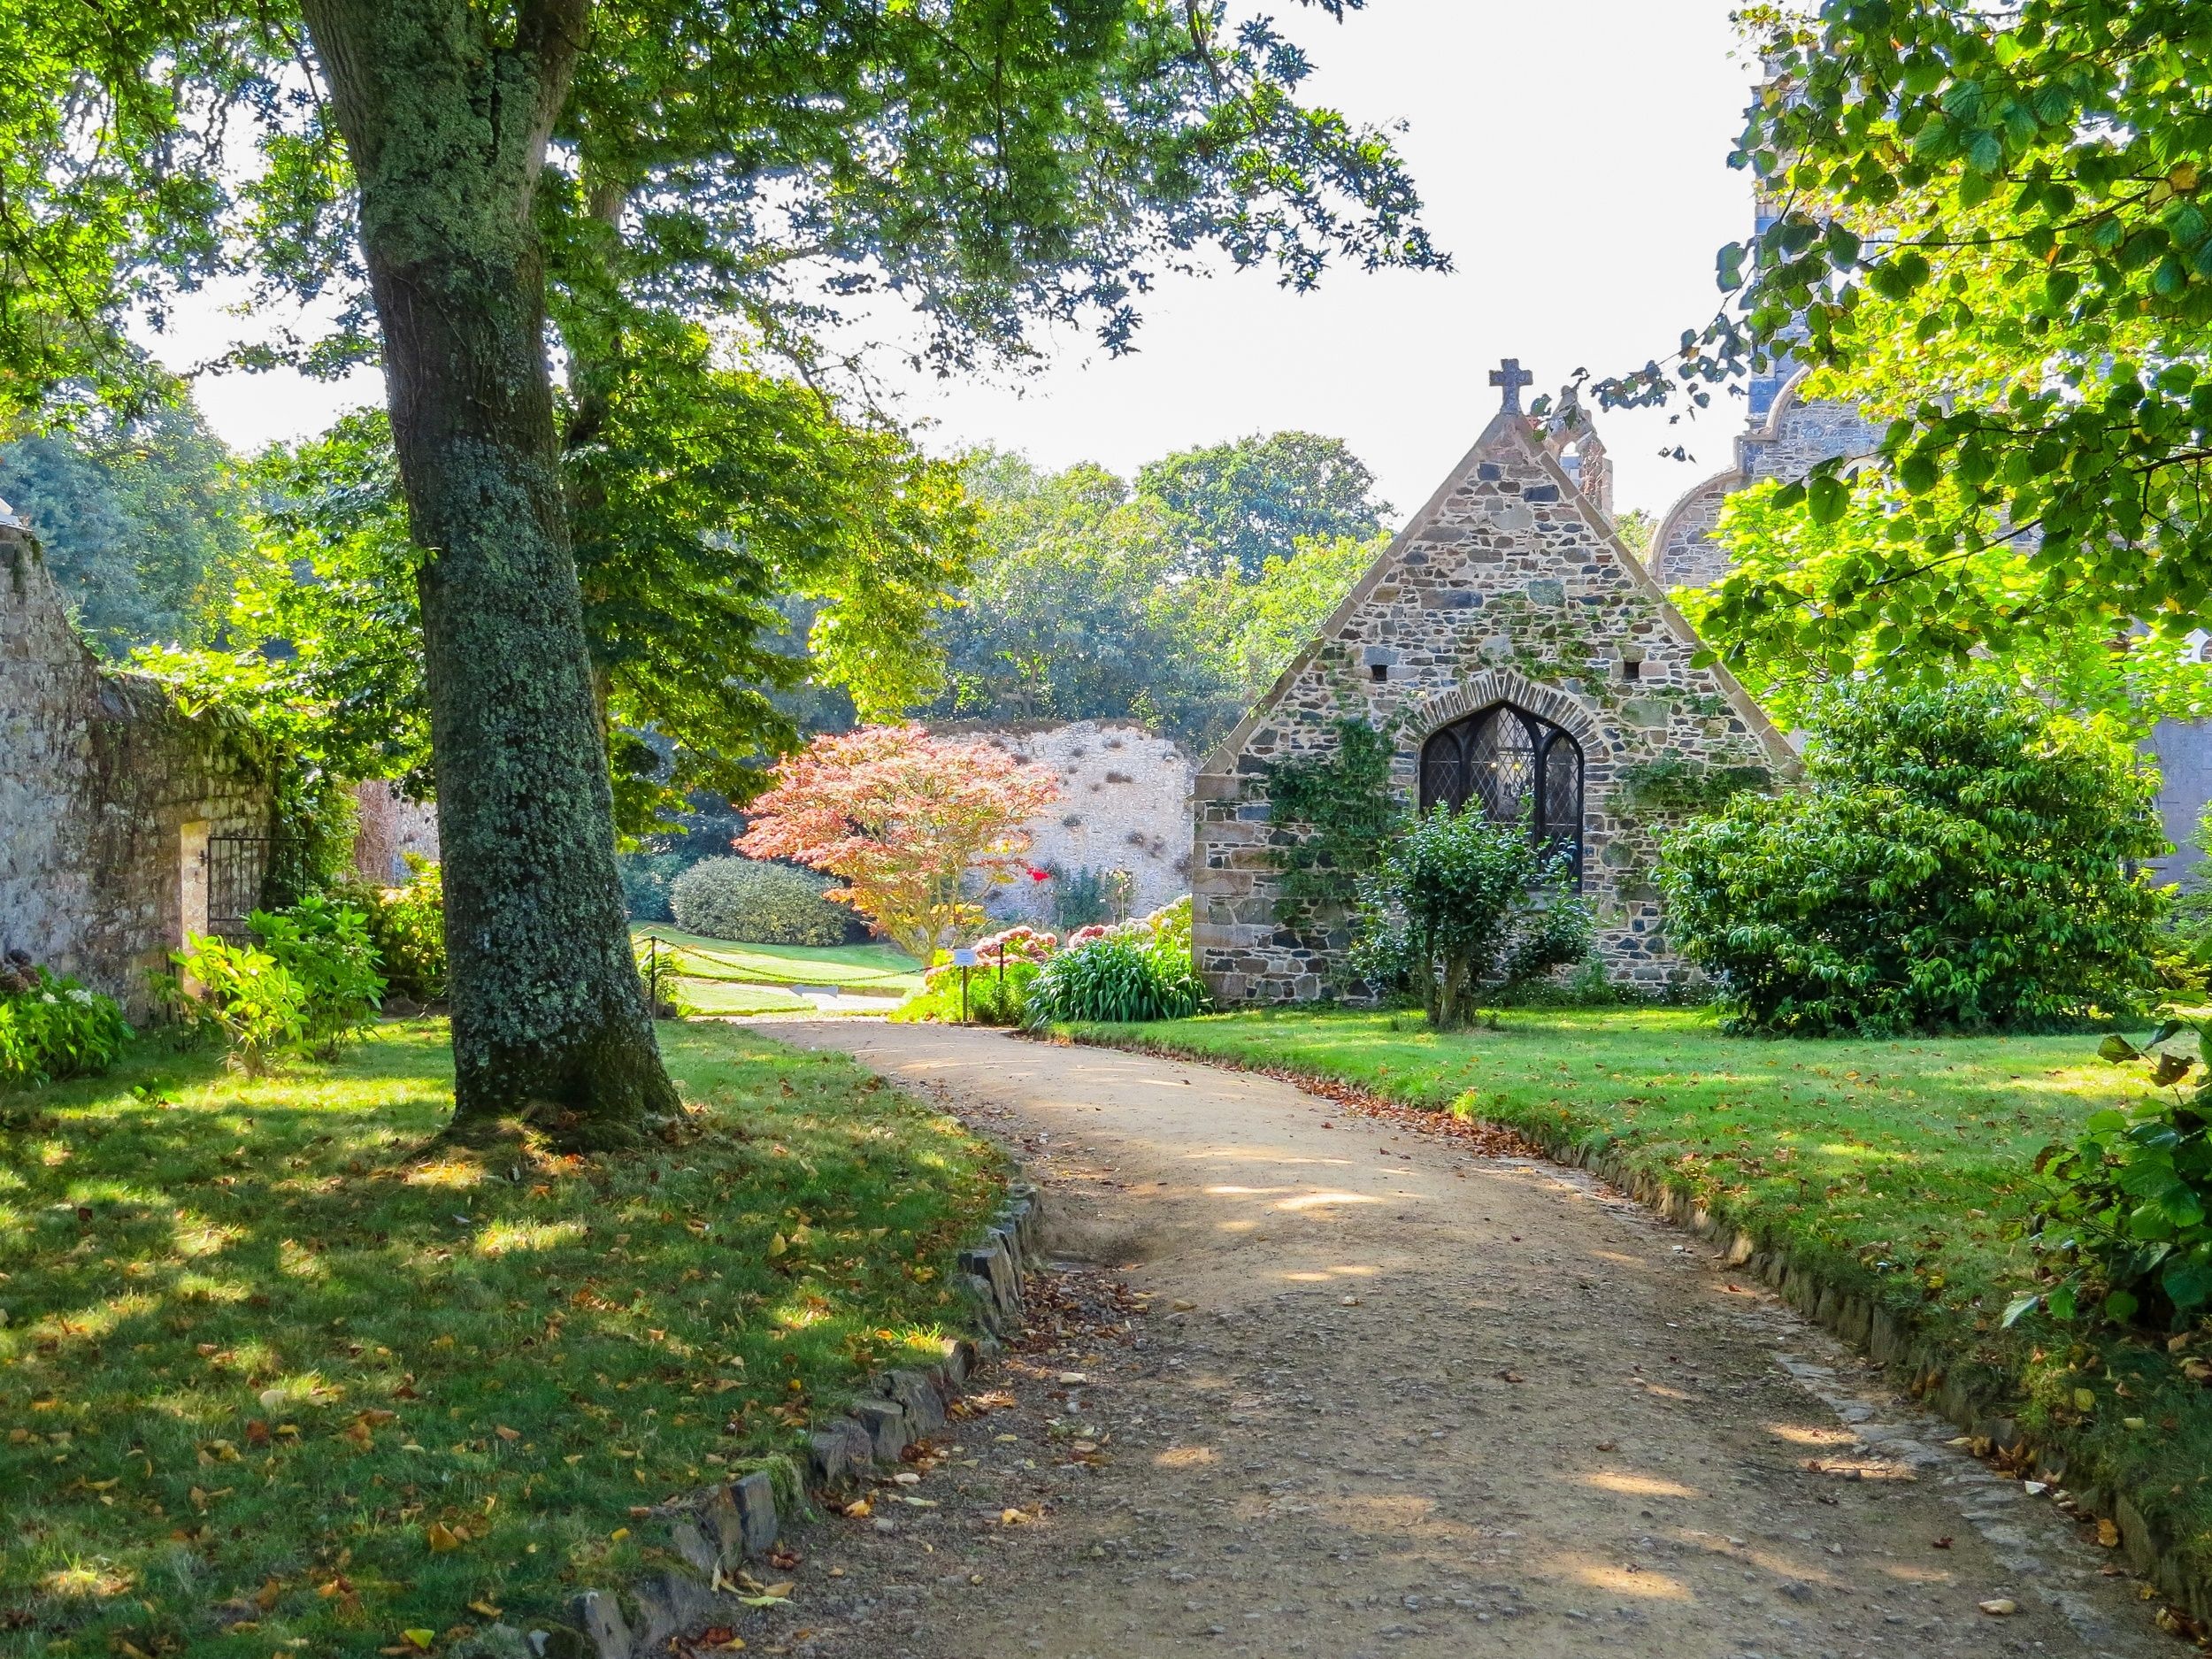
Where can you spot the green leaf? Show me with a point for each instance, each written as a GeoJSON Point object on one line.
{"type": "Point", "coordinates": [1826, 498]}
{"type": "Point", "coordinates": [2017, 1307]}
{"type": "Point", "coordinates": [2121, 1307]}
{"type": "Point", "coordinates": [2117, 1049]}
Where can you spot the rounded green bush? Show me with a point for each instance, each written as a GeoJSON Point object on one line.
{"type": "Point", "coordinates": [757, 904]}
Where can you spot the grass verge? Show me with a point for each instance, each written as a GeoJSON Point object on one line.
{"type": "Point", "coordinates": [1900, 1172]}
{"type": "Point", "coordinates": [878, 970]}
{"type": "Point", "coordinates": [281, 1373]}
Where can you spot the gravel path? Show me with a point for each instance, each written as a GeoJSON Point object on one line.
{"type": "Point", "coordinates": [1315, 1384]}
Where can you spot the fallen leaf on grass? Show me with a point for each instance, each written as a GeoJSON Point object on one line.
{"type": "Point", "coordinates": [441, 1537]}
{"type": "Point", "coordinates": [485, 1609]}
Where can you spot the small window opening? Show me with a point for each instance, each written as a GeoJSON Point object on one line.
{"type": "Point", "coordinates": [1632, 668]}
{"type": "Point", "coordinates": [1381, 671]}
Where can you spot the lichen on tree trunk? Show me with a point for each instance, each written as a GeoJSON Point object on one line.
{"type": "Point", "coordinates": [447, 122]}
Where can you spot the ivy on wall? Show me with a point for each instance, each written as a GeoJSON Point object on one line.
{"type": "Point", "coordinates": [1343, 801]}
{"type": "Point", "coordinates": [1677, 784]}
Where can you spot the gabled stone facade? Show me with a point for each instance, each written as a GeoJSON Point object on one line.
{"type": "Point", "coordinates": [1509, 587]}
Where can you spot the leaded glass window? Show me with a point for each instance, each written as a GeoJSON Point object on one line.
{"type": "Point", "coordinates": [1519, 768]}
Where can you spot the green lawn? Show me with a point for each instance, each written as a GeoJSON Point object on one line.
{"type": "Point", "coordinates": [1899, 1170]}
{"type": "Point", "coordinates": [280, 1373]}
{"type": "Point", "coordinates": [720, 977]}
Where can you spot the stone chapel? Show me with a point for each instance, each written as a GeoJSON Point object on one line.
{"type": "Point", "coordinates": [1519, 655]}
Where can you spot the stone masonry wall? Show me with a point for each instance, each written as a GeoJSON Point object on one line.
{"type": "Point", "coordinates": [1125, 804]}
{"type": "Point", "coordinates": [1508, 587]}
{"type": "Point", "coordinates": [108, 794]}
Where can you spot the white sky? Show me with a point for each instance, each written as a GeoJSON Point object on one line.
{"type": "Point", "coordinates": [1573, 158]}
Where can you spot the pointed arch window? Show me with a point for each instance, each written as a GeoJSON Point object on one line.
{"type": "Point", "coordinates": [1518, 767]}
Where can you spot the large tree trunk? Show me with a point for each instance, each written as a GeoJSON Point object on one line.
{"type": "Point", "coordinates": [447, 124]}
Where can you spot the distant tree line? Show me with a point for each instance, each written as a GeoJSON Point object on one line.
{"type": "Point", "coordinates": [1174, 601]}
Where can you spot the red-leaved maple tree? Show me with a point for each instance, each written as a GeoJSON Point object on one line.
{"type": "Point", "coordinates": [911, 821]}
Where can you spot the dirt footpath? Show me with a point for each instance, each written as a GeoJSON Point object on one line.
{"type": "Point", "coordinates": [1377, 1395]}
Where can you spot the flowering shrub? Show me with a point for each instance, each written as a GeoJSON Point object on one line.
{"type": "Point", "coordinates": [1021, 943]}
{"type": "Point", "coordinates": [1140, 971]}
{"type": "Point", "coordinates": [1006, 964]}
{"type": "Point", "coordinates": [52, 1027]}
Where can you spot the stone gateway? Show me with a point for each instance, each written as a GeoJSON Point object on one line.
{"type": "Point", "coordinates": [1516, 655]}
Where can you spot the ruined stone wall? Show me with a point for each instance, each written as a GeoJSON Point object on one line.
{"type": "Point", "coordinates": [108, 796]}
{"type": "Point", "coordinates": [1505, 589]}
{"type": "Point", "coordinates": [1125, 804]}
{"type": "Point", "coordinates": [1794, 436]}
{"type": "Point", "coordinates": [1683, 551]}
{"type": "Point", "coordinates": [1800, 435]}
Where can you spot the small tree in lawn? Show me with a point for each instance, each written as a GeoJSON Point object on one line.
{"type": "Point", "coordinates": [1473, 901]}
{"type": "Point", "coordinates": [903, 817]}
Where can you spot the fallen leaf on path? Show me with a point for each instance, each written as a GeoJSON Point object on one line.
{"type": "Point", "coordinates": [2000, 1607]}
{"type": "Point", "coordinates": [2107, 1534]}
{"type": "Point", "coordinates": [1940, 1543]}
{"type": "Point", "coordinates": [1511, 1376]}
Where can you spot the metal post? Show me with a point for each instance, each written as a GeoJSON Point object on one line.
{"type": "Point", "coordinates": [963, 995]}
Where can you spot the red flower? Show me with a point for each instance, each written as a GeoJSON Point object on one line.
{"type": "Point", "coordinates": [1040, 875]}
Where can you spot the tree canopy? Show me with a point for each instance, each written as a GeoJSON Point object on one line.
{"type": "Point", "coordinates": [1242, 504]}
{"type": "Point", "coordinates": [1987, 226]}
{"type": "Point", "coordinates": [1086, 603]}
{"type": "Point", "coordinates": [141, 518]}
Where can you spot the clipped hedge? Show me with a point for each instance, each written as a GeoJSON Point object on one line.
{"type": "Point", "coordinates": [757, 904]}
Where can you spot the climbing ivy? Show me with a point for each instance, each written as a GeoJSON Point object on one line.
{"type": "Point", "coordinates": [1674, 783]}
{"type": "Point", "coordinates": [1343, 800]}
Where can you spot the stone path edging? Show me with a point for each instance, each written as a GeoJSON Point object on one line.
{"type": "Point", "coordinates": [1926, 1369]}
{"type": "Point", "coordinates": [716, 1530]}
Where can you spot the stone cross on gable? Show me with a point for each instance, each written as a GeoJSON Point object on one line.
{"type": "Point", "coordinates": [1510, 375]}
